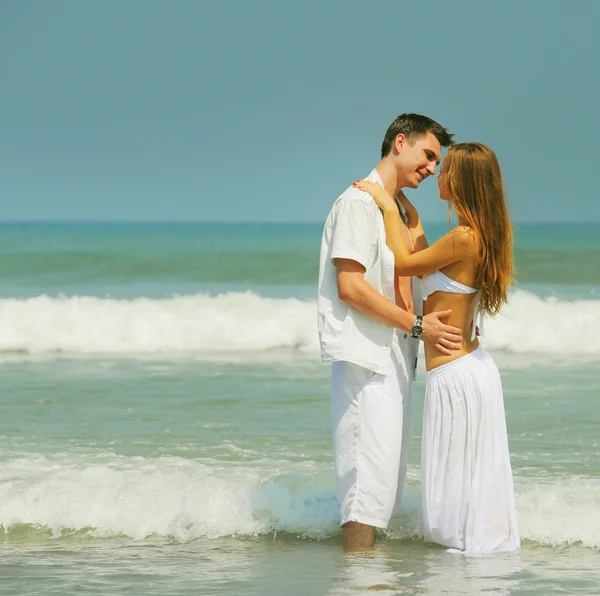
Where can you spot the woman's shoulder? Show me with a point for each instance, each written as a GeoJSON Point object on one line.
{"type": "Point", "coordinates": [464, 236]}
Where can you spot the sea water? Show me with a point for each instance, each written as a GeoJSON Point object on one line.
{"type": "Point", "coordinates": [165, 424]}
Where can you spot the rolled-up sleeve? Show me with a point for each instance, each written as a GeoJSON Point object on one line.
{"type": "Point", "coordinates": [354, 232]}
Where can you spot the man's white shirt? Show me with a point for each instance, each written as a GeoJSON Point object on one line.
{"type": "Point", "coordinates": [355, 230]}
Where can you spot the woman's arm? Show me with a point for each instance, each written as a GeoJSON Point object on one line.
{"type": "Point", "coordinates": [455, 246]}
{"type": "Point", "coordinates": [415, 227]}
{"type": "Point", "coordinates": [391, 217]}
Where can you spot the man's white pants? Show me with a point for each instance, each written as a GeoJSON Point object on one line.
{"type": "Point", "coordinates": [372, 432]}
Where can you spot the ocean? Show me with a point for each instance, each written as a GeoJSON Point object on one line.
{"type": "Point", "coordinates": [165, 426]}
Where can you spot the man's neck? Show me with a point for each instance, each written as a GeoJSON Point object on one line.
{"type": "Point", "coordinates": [389, 176]}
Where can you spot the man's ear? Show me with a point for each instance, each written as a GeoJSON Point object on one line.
{"type": "Point", "coordinates": [399, 143]}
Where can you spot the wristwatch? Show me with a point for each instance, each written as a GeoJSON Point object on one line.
{"type": "Point", "coordinates": [417, 327]}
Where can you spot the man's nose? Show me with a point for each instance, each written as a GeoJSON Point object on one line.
{"type": "Point", "coordinates": [431, 168]}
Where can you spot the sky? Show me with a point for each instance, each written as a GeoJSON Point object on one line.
{"type": "Point", "coordinates": [265, 110]}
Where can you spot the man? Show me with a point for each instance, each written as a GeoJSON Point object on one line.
{"type": "Point", "coordinates": [368, 329]}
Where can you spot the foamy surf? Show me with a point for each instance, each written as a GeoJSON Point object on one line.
{"type": "Point", "coordinates": [184, 499]}
{"type": "Point", "coordinates": [246, 322]}
{"type": "Point", "coordinates": [235, 322]}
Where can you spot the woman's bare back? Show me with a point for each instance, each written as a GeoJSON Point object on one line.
{"type": "Point", "coordinates": [463, 313]}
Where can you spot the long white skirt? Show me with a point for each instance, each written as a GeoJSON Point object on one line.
{"type": "Point", "coordinates": [466, 477]}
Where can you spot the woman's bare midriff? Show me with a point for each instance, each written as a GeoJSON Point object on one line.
{"type": "Point", "coordinates": [462, 306]}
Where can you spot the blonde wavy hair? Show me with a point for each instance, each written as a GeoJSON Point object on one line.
{"type": "Point", "coordinates": [474, 185]}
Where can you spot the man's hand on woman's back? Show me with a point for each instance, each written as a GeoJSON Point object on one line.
{"type": "Point", "coordinates": [444, 338]}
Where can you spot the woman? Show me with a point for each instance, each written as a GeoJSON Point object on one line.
{"type": "Point", "coordinates": [466, 477]}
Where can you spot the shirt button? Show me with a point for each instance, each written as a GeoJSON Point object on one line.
{"type": "Point", "coordinates": [405, 335]}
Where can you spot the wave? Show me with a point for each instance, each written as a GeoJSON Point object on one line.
{"type": "Point", "coordinates": [234, 322]}
{"type": "Point", "coordinates": [109, 495]}
{"type": "Point", "coordinates": [247, 322]}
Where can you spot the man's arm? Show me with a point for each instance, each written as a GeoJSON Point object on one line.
{"type": "Point", "coordinates": [359, 294]}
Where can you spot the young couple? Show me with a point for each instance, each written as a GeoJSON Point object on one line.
{"type": "Point", "coordinates": [370, 323]}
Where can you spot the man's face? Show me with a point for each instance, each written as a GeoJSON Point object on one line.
{"type": "Point", "coordinates": [417, 162]}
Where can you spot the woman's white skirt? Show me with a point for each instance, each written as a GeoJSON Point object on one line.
{"type": "Point", "coordinates": [466, 477]}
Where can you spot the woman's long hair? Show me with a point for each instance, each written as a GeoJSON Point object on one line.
{"type": "Point", "coordinates": [474, 186]}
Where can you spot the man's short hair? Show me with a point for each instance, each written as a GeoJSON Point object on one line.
{"type": "Point", "coordinates": [414, 127]}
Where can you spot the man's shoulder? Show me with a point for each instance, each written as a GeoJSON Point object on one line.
{"type": "Point", "coordinates": [354, 194]}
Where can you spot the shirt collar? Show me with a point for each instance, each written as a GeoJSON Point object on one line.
{"type": "Point", "coordinates": [375, 177]}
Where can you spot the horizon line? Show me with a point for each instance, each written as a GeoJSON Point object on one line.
{"type": "Point", "coordinates": [247, 222]}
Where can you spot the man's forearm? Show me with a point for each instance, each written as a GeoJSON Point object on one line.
{"type": "Point", "coordinates": [368, 301]}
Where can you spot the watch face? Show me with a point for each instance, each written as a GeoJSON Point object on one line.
{"type": "Point", "coordinates": [416, 331]}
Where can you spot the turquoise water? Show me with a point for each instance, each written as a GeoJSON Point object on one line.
{"type": "Point", "coordinates": [167, 258]}
{"type": "Point", "coordinates": [165, 419]}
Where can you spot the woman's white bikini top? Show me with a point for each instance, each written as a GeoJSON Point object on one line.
{"type": "Point", "coordinates": [440, 282]}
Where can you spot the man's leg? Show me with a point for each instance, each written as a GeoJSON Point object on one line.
{"type": "Point", "coordinates": [357, 537]}
{"type": "Point", "coordinates": [367, 437]}
{"type": "Point", "coordinates": [402, 360]}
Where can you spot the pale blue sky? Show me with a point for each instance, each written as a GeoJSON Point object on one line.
{"type": "Point", "coordinates": [266, 110]}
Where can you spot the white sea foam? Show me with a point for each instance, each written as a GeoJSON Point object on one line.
{"type": "Point", "coordinates": [245, 322]}
{"type": "Point", "coordinates": [109, 495]}
{"type": "Point", "coordinates": [112, 495]}
{"type": "Point", "coordinates": [233, 322]}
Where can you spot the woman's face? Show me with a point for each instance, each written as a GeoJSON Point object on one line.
{"type": "Point", "coordinates": [441, 181]}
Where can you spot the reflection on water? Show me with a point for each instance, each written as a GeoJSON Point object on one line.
{"type": "Point", "coordinates": [414, 568]}
{"type": "Point", "coordinates": [285, 565]}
